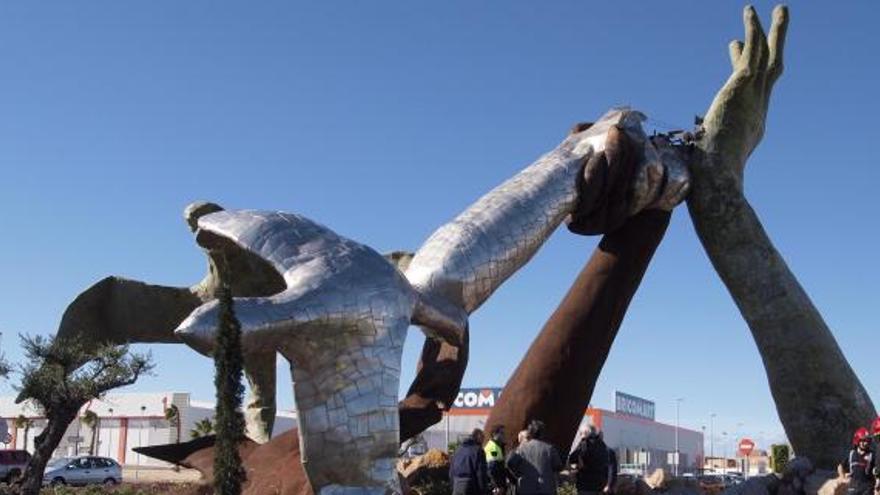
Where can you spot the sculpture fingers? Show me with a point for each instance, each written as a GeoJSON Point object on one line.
{"type": "Point", "coordinates": [677, 178]}
{"type": "Point", "coordinates": [754, 53]}
{"type": "Point", "coordinates": [117, 310]}
{"type": "Point", "coordinates": [735, 48]}
{"type": "Point", "coordinates": [776, 42]}
{"type": "Point", "coordinates": [648, 181]}
{"type": "Point", "coordinates": [675, 190]}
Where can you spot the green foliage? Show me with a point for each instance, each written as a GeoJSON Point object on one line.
{"type": "Point", "coordinates": [5, 369]}
{"type": "Point", "coordinates": [202, 428]}
{"type": "Point", "coordinates": [228, 471]}
{"type": "Point", "coordinates": [450, 449]}
{"type": "Point", "coordinates": [172, 414]}
{"type": "Point", "coordinates": [90, 418]}
{"type": "Point", "coordinates": [566, 489]}
{"type": "Point", "coordinates": [779, 455]}
{"type": "Point", "coordinates": [22, 421]}
{"type": "Point", "coordinates": [432, 487]}
{"type": "Point", "coordinates": [62, 375]}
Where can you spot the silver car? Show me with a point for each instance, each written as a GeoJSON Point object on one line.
{"type": "Point", "coordinates": [86, 470]}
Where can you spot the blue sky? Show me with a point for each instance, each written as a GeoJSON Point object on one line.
{"type": "Point", "coordinates": [384, 120]}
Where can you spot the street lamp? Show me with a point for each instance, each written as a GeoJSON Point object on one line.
{"type": "Point", "coordinates": [677, 407]}
{"type": "Point", "coordinates": [140, 441]}
{"type": "Point", "coordinates": [724, 451]}
{"type": "Point", "coordinates": [703, 430]}
{"type": "Point", "coordinates": [712, 435]}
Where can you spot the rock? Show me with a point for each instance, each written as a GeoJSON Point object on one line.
{"type": "Point", "coordinates": [627, 485]}
{"type": "Point", "coordinates": [432, 466]}
{"type": "Point", "coordinates": [825, 483]}
{"type": "Point", "coordinates": [799, 468]}
{"type": "Point", "coordinates": [657, 479]}
{"type": "Point", "coordinates": [682, 486]}
{"type": "Point", "coordinates": [757, 485]}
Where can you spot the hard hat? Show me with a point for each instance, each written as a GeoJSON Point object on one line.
{"type": "Point", "coordinates": [860, 435]}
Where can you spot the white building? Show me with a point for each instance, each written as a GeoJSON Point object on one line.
{"type": "Point", "coordinates": [125, 421]}
{"type": "Point", "coordinates": [642, 444]}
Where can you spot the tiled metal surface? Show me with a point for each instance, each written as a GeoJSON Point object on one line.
{"type": "Point", "coordinates": [343, 316]}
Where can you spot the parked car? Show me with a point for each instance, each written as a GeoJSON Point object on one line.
{"type": "Point", "coordinates": [712, 482]}
{"type": "Point", "coordinates": [12, 463]}
{"type": "Point", "coordinates": [86, 470]}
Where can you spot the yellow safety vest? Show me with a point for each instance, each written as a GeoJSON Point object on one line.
{"type": "Point", "coordinates": [493, 451]}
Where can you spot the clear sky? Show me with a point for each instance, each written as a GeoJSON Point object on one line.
{"type": "Point", "coordinates": [383, 120]}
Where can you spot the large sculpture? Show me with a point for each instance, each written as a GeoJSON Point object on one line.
{"type": "Point", "coordinates": [120, 311]}
{"type": "Point", "coordinates": [342, 317]}
{"type": "Point", "coordinates": [554, 381]}
{"type": "Point", "coordinates": [819, 399]}
{"type": "Point", "coordinates": [339, 311]}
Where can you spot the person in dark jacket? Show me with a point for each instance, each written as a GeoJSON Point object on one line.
{"type": "Point", "coordinates": [467, 469]}
{"type": "Point", "coordinates": [535, 463]}
{"type": "Point", "coordinates": [594, 464]}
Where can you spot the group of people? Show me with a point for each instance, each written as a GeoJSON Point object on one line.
{"type": "Point", "coordinates": [533, 467]}
{"type": "Point", "coordinates": [861, 465]}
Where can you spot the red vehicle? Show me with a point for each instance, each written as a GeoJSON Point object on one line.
{"type": "Point", "coordinates": [12, 463]}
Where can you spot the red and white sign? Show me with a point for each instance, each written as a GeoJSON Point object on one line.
{"type": "Point", "coordinates": [746, 446]}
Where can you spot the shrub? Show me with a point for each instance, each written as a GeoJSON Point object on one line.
{"type": "Point", "coordinates": [779, 455]}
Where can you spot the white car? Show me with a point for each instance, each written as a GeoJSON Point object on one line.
{"type": "Point", "coordinates": [86, 470]}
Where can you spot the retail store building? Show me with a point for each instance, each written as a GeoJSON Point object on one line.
{"type": "Point", "coordinates": [642, 444]}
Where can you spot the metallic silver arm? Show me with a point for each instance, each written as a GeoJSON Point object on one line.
{"type": "Point", "coordinates": [466, 260]}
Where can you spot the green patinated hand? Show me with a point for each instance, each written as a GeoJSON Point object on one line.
{"type": "Point", "coordinates": [819, 398]}
{"type": "Point", "coordinates": [734, 124]}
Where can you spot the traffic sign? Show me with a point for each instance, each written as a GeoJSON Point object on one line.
{"type": "Point", "coordinates": [746, 446]}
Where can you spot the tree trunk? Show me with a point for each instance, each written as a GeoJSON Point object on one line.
{"type": "Point", "coordinates": [44, 444]}
{"type": "Point", "coordinates": [94, 429]}
{"type": "Point", "coordinates": [554, 382]}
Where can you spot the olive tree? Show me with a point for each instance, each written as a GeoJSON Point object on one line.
{"type": "Point", "coordinates": [60, 376]}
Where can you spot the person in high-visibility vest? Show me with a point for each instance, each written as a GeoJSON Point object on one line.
{"type": "Point", "coordinates": [497, 468]}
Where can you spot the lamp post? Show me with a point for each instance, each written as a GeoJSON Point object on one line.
{"type": "Point", "coordinates": [712, 435]}
{"type": "Point", "coordinates": [703, 429]}
{"type": "Point", "coordinates": [140, 441]}
{"type": "Point", "coordinates": [677, 407]}
{"type": "Point", "coordinates": [724, 451]}
{"type": "Point", "coordinates": [109, 437]}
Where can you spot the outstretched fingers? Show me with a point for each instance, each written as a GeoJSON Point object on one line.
{"type": "Point", "coordinates": [736, 50]}
{"type": "Point", "coordinates": [756, 42]}
{"type": "Point", "coordinates": [777, 41]}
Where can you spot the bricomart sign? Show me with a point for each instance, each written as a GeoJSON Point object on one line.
{"type": "Point", "coordinates": [476, 398]}
{"type": "Point", "coordinates": [633, 406]}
